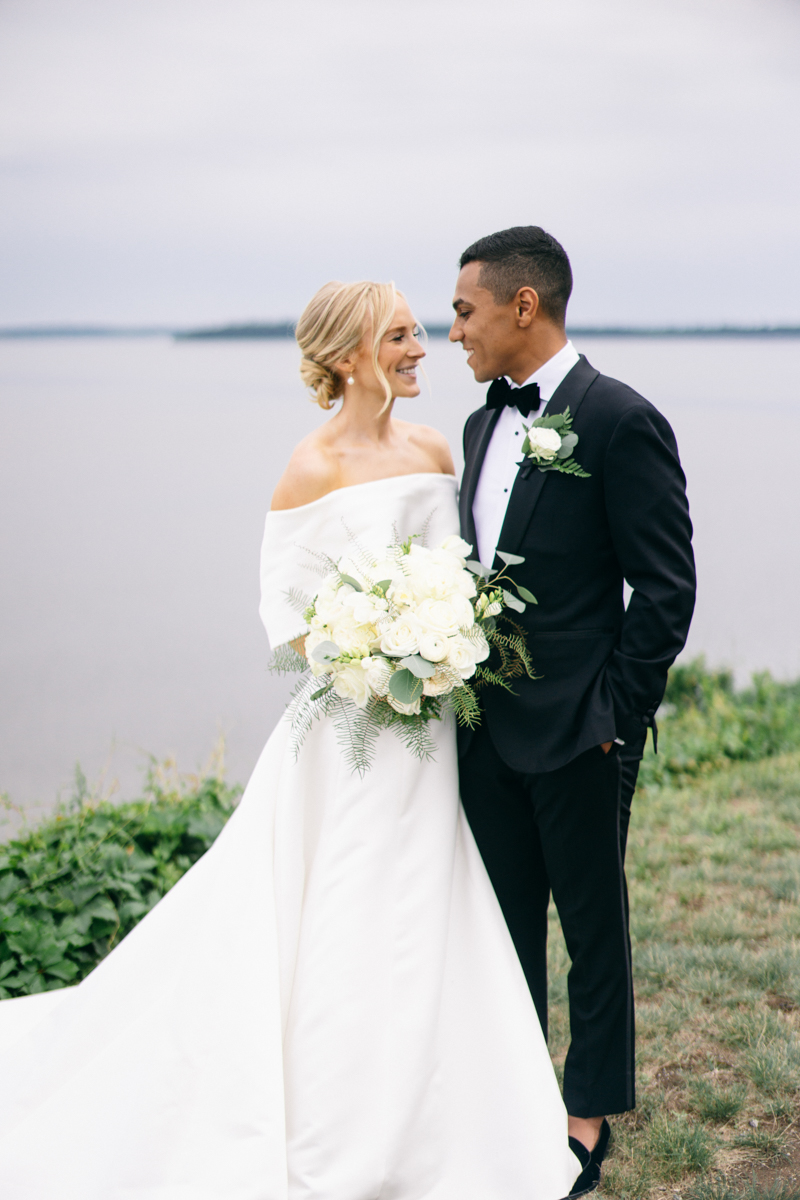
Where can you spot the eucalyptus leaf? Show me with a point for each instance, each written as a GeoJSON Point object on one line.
{"type": "Point", "coordinates": [418, 666]}
{"type": "Point", "coordinates": [405, 687]}
{"type": "Point", "coordinates": [325, 652]}
{"type": "Point", "coordinates": [557, 421]}
{"type": "Point", "coordinates": [353, 582]}
{"type": "Point", "coordinates": [525, 594]}
{"type": "Point", "coordinates": [511, 601]}
{"type": "Point", "coordinates": [511, 560]}
{"type": "Point", "coordinates": [383, 586]}
{"type": "Point", "coordinates": [568, 444]}
{"type": "Point", "coordinates": [478, 569]}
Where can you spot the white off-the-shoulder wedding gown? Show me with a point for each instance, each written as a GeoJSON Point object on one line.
{"type": "Point", "coordinates": [328, 1006]}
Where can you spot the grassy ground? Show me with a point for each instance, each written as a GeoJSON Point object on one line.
{"type": "Point", "coordinates": [714, 875]}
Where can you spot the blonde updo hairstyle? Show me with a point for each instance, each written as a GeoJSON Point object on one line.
{"type": "Point", "coordinates": [335, 322]}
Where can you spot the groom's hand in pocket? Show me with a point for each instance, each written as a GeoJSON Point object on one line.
{"type": "Point", "coordinates": [606, 746]}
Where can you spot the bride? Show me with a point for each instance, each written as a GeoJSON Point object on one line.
{"type": "Point", "coordinates": [328, 1006]}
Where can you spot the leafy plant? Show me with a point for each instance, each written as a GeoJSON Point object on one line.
{"type": "Point", "coordinates": [71, 888]}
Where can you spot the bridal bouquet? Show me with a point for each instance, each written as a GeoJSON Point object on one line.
{"type": "Point", "coordinates": [397, 641]}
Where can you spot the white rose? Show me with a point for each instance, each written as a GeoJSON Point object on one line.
{"type": "Point", "coordinates": [461, 658]}
{"type": "Point", "coordinates": [544, 443]}
{"type": "Point", "coordinates": [313, 639]}
{"type": "Point", "coordinates": [348, 567]}
{"type": "Point", "coordinates": [402, 637]}
{"type": "Point", "coordinates": [410, 710]}
{"type": "Point", "coordinates": [436, 581]}
{"type": "Point", "coordinates": [479, 646]}
{"type": "Point", "coordinates": [352, 638]}
{"type": "Point", "coordinates": [366, 609]}
{"type": "Point", "coordinates": [464, 611]}
{"type": "Point", "coordinates": [456, 545]}
{"type": "Point", "coordinates": [439, 616]}
{"type": "Point", "coordinates": [378, 674]}
{"type": "Point", "coordinates": [401, 592]}
{"type": "Point", "coordinates": [465, 583]}
{"type": "Point", "coordinates": [433, 646]}
{"type": "Point", "coordinates": [350, 682]}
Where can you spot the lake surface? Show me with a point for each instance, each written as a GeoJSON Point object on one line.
{"type": "Point", "coordinates": [134, 479]}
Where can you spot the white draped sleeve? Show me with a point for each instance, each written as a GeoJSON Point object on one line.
{"type": "Point", "coordinates": [296, 540]}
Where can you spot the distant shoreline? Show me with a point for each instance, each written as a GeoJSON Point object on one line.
{"type": "Point", "coordinates": [265, 331]}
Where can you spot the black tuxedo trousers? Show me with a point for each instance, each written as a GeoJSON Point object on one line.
{"type": "Point", "coordinates": [564, 832]}
{"type": "Point", "coordinates": [548, 808]}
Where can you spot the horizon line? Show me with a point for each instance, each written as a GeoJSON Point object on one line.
{"type": "Point", "coordinates": [263, 330]}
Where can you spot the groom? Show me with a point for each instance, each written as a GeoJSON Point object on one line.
{"type": "Point", "coordinates": [547, 778]}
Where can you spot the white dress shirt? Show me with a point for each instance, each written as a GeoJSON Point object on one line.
{"type": "Point", "coordinates": [504, 452]}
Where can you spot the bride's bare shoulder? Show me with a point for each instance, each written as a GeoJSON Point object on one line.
{"type": "Point", "coordinates": [312, 472]}
{"type": "Point", "coordinates": [432, 444]}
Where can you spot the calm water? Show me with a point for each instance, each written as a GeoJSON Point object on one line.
{"type": "Point", "coordinates": [134, 478]}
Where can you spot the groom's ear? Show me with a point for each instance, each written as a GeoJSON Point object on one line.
{"type": "Point", "coordinates": [526, 306]}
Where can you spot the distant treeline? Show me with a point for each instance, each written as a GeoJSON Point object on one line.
{"type": "Point", "coordinates": [260, 330]}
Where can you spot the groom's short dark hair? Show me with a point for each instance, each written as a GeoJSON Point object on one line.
{"type": "Point", "coordinates": [525, 256]}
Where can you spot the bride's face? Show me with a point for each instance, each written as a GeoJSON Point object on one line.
{"type": "Point", "coordinates": [400, 352]}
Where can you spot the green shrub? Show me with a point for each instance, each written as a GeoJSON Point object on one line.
{"type": "Point", "coordinates": [71, 888]}
{"type": "Point", "coordinates": [705, 723]}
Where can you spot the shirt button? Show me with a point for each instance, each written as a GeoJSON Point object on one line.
{"type": "Point", "coordinates": [516, 433]}
{"type": "Point", "coordinates": [505, 489]}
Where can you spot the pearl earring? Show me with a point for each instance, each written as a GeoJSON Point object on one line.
{"type": "Point", "coordinates": [350, 379]}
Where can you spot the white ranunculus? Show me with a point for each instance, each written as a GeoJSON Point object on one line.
{"type": "Point", "coordinates": [544, 443]}
{"type": "Point", "coordinates": [410, 710]}
{"type": "Point", "coordinates": [438, 684]}
{"type": "Point", "coordinates": [439, 616]}
{"type": "Point", "coordinates": [461, 657]}
{"type": "Point", "coordinates": [378, 674]}
{"type": "Point", "coordinates": [402, 637]}
{"type": "Point", "coordinates": [313, 639]}
{"type": "Point", "coordinates": [456, 545]}
{"type": "Point", "coordinates": [433, 646]}
{"type": "Point", "coordinates": [350, 682]}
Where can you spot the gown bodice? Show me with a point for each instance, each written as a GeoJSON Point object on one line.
{"type": "Point", "coordinates": [370, 514]}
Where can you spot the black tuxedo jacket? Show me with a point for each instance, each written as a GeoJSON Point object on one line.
{"type": "Point", "coordinates": [602, 670]}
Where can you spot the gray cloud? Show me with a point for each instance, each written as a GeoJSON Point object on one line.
{"type": "Point", "coordinates": [193, 160]}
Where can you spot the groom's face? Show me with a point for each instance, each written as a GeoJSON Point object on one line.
{"type": "Point", "coordinates": [488, 331]}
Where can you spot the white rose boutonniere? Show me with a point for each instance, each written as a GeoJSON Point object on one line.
{"type": "Point", "coordinates": [549, 443]}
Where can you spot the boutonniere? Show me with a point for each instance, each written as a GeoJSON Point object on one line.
{"type": "Point", "coordinates": [549, 443]}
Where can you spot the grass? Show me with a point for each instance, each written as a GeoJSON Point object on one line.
{"type": "Point", "coordinates": [714, 874]}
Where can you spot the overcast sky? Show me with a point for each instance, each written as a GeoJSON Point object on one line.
{"type": "Point", "coordinates": [209, 160]}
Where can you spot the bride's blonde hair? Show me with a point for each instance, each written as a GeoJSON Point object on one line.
{"type": "Point", "coordinates": [334, 324]}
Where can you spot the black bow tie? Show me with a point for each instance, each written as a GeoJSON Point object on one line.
{"type": "Point", "coordinates": [502, 395]}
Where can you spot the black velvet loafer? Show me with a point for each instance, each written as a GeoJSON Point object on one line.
{"type": "Point", "coordinates": [590, 1160]}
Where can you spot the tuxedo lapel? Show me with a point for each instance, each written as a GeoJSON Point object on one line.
{"type": "Point", "coordinates": [529, 483]}
{"type": "Point", "coordinates": [485, 421]}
